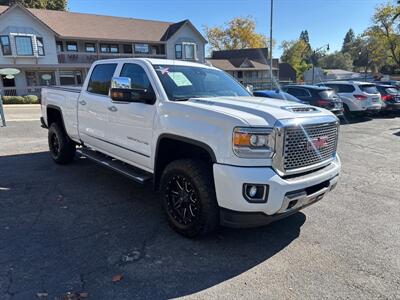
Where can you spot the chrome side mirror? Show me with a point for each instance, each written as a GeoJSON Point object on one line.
{"type": "Point", "coordinates": [250, 88]}
{"type": "Point", "coordinates": [121, 83]}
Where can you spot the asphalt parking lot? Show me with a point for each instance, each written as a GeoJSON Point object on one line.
{"type": "Point", "coordinates": [72, 228]}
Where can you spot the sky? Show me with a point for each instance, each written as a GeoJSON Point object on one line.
{"type": "Point", "coordinates": [327, 21]}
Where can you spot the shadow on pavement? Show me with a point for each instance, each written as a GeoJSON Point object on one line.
{"type": "Point", "coordinates": [353, 120]}
{"type": "Point", "coordinates": [71, 228]}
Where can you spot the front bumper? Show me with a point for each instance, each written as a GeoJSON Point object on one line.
{"type": "Point", "coordinates": [286, 196]}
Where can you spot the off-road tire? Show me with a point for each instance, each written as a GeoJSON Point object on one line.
{"type": "Point", "coordinates": [62, 148]}
{"type": "Point", "coordinates": [205, 211]}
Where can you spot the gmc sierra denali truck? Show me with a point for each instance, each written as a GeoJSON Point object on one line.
{"type": "Point", "coordinates": [217, 154]}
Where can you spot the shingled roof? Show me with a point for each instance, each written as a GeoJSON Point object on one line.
{"type": "Point", "coordinates": [89, 26]}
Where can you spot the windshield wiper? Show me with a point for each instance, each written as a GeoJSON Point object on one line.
{"type": "Point", "coordinates": [182, 99]}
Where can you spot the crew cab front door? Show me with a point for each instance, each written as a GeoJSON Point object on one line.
{"type": "Point", "coordinates": [130, 126]}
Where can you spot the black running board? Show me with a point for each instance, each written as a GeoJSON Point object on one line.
{"type": "Point", "coordinates": [127, 170]}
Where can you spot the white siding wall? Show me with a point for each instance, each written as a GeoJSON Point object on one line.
{"type": "Point", "coordinates": [19, 18]}
{"type": "Point", "coordinates": [186, 34]}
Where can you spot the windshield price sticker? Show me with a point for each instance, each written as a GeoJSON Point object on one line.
{"type": "Point", "coordinates": [179, 78]}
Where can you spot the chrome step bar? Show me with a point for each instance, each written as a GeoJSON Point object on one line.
{"type": "Point", "coordinates": [129, 171]}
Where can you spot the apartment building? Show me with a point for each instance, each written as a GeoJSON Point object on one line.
{"type": "Point", "coordinates": [57, 48]}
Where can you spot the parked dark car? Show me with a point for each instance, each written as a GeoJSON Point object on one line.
{"type": "Point", "coordinates": [277, 94]}
{"type": "Point", "coordinates": [394, 83]}
{"type": "Point", "coordinates": [324, 97]}
{"type": "Point", "coordinates": [390, 97]}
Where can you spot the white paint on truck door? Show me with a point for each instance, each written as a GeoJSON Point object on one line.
{"type": "Point", "coordinates": [131, 123]}
{"type": "Point", "coordinates": [93, 106]}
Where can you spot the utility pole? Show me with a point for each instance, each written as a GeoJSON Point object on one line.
{"type": "Point", "coordinates": [270, 45]}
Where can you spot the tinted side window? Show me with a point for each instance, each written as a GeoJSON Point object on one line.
{"type": "Point", "coordinates": [298, 92]}
{"type": "Point", "coordinates": [345, 88]}
{"type": "Point", "coordinates": [138, 76]}
{"type": "Point", "coordinates": [100, 80]}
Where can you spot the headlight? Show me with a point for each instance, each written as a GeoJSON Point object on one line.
{"type": "Point", "coordinates": [253, 142]}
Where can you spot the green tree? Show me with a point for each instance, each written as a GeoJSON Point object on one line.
{"type": "Point", "coordinates": [239, 33]}
{"type": "Point", "coordinates": [384, 36]}
{"type": "Point", "coordinates": [337, 60]}
{"type": "Point", "coordinates": [296, 53]}
{"type": "Point", "coordinates": [41, 4]}
{"type": "Point", "coordinates": [348, 41]}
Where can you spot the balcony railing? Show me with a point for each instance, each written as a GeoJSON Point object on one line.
{"type": "Point", "coordinates": [88, 58]}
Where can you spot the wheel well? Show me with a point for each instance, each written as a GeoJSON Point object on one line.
{"type": "Point", "coordinates": [171, 149]}
{"type": "Point", "coordinates": [54, 115]}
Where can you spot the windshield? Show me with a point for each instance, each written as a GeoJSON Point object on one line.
{"type": "Point", "coordinates": [185, 82]}
{"type": "Point", "coordinates": [369, 88]}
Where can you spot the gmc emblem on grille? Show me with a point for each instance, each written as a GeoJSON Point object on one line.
{"type": "Point", "coordinates": [317, 143]}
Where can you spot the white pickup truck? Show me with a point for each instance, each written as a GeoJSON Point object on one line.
{"type": "Point", "coordinates": [217, 154]}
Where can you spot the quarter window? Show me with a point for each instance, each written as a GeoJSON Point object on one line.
{"type": "Point", "coordinates": [100, 80]}
{"type": "Point", "coordinates": [72, 47]}
{"type": "Point", "coordinates": [24, 45]}
{"type": "Point", "coordinates": [5, 44]}
{"type": "Point", "coordinates": [40, 46]}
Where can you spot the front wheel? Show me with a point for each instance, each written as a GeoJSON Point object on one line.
{"type": "Point", "coordinates": [188, 197]}
{"type": "Point", "coordinates": [62, 149]}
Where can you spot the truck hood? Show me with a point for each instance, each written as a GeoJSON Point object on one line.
{"type": "Point", "coordinates": [256, 110]}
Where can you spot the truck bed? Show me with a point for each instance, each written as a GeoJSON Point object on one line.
{"type": "Point", "coordinates": [66, 98]}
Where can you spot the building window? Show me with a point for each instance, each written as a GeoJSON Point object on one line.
{"type": "Point", "coordinates": [40, 46]}
{"type": "Point", "coordinates": [24, 45]}
{"type": "Point", "coordinates": [90, 47]}
{"type": "Point", "coordinates": [72, 47]}
{"type": "Point", "coordinates": [5, 44]}
{"type": "Point", "coordinates": [70, 78]}
{"type": "Point", "coordinates": [114, 49]}
{"type": "Point", "coordinates": [60, 46]}
{"type": "Point", "coordinates": [142, 48]}
{"type": "Point", "coordinates": [127, 48]}
{"type": "Point", "coordinates": [190, 51]}
{"type": "Point", "coordinates": [107, 48]}
{"type": "Point", "coordinates": [178, 51]}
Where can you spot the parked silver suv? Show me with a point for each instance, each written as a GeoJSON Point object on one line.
{"type": "Point", "coordinates": [358, 97]}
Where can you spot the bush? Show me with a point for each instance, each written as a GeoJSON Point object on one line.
{"type": "Point", "coordinates": [29, 99]}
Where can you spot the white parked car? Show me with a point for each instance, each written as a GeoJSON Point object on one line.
{"type": "Point", "coordinates": [217, 154]}
{"type": "Point", "coordinates": [358, 97]}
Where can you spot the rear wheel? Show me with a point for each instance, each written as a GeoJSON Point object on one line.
{"type": "Point", "coordinates": [188, 197]}
{"type": "Point", "coordinates": [62, 148]}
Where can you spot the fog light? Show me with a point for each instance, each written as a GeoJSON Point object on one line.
{"type": "Point", "coordinates": [253, 191]}
{"type": "Point", "coordinates": [256, 193]}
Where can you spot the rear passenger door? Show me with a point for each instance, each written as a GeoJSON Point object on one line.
{"type": "Point", "coordinates": [92, 106]}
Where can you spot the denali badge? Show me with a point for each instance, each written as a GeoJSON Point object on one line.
{"type": "Point", "coordinates": [317, 143]}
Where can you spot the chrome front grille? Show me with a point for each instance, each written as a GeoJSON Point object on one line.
{"type": "Point", "coordinates": [305, 146]}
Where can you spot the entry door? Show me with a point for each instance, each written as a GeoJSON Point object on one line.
{"type": "Point", "coordinates": [93, 107]}
{"type": "Point", "coordinates": [131, 124]}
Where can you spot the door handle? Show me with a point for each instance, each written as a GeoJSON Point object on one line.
{"type": "Point", "coordinates": [112, 108]}
{"type": "Point", "coordinates": [82, 102]}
